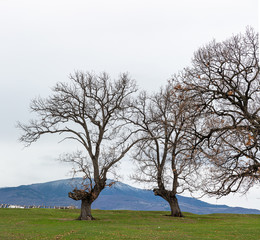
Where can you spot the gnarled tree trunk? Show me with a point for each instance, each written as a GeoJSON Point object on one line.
{"type": "Point", "coordinates": [171, 198]}
{"type": "Point", "coordinates": [87, 198]}
{"type": "Point", "coordinates": [175, 209]}
{"type": "Point", "coordinates": [85, 212]}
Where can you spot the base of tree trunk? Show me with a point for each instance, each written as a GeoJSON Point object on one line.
{"type": "Point", "coordinates": [175, 209]}
{"type": "Point", "coordinates": [85, 212]}
{"type": "Point", "coordinates": [176, 215]}
{"type": "Point", "coordinates": [88, 218]}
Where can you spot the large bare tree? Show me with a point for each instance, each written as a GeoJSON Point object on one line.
{"type": "Point", "coordinates": [163, 156]}
{"type": "Point", "coordinates": [224, 79]}
{"type": "Point", "coordinates": [86, 111]}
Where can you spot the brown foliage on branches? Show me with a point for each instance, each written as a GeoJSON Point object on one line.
{"type": "Point", "coordinates": [228, 96]}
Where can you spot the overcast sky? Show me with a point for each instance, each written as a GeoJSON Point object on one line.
{"type": "Point", "coordinates": [43, 41]}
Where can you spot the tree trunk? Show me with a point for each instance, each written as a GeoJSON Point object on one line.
{"type": "Point", "coordinates": [175, 209]}
{"type": "Point", "coordinates": [85, 213]}
{"type": "Point", "coordinates": [87, 198]}
{"type": "Point", "coordinates": [171, 198]}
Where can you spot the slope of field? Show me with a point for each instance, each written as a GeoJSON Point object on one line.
{"type": "Point", "coordinates": [39, 224]}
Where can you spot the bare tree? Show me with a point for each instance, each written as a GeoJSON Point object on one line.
{"type": "Point", "coordinates": [224, 79]}
{"type": "Point", "coordinates": [163, 156]}
{"type": "Point", "coordinates": [86, 110]}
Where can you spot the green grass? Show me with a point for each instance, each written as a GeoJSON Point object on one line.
{"type": "Point", "coordinates": [60, 224]}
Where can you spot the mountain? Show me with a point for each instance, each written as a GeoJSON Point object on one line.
{"type": "Point", "coordinates": [118, 196]}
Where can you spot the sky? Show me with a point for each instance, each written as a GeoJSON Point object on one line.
{"type": "Point", "coordinates": [43, 41]}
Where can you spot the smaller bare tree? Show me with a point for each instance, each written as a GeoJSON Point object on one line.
{"type": "Point", "coordinates": [163, 156]}
{"type": "Point", "coordinates": [86, 111]}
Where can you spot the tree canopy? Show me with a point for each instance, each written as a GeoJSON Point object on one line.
{"type": "Point", "coordinates": [224, 80]}
{"type": "Point", "coordinates": [86, 110]}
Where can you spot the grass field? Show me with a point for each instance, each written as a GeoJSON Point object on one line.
{"type": "Point", "coordinates": [60, 224]}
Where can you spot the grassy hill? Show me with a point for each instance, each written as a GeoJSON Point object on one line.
{"type": "Point", "coordinates": [60, 224]}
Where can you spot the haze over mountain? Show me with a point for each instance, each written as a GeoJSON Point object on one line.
{"type": "Point", "coordinates": [117, 197]}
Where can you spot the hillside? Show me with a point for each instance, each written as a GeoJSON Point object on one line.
{"type": "Point", "coordinates": [117, 197]}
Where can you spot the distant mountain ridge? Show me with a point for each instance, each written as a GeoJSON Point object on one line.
{"type": "Point", "coordinates": [117, 197]}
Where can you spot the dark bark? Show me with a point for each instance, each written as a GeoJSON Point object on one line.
{"type": "Point", "coordinates": [175, 209]}
{"type": "Point", "coordinates": [171, 198]}
{"type": "Point", "coordinates": [87, 198]}
{"type": "Point", "coordinates": [85, 212]}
